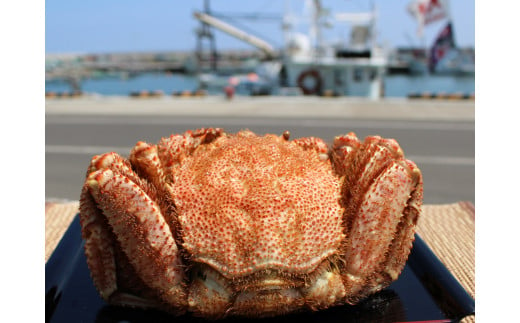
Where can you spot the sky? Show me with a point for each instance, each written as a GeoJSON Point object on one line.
{"type": "Point", "coordinates": [100, 26]}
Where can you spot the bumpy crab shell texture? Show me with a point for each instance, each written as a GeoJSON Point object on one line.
{"type": "Point", "coordinates": [221, 224]}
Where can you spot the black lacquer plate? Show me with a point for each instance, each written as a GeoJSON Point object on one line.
{"type": "Point", "coordinates": [425, 291]}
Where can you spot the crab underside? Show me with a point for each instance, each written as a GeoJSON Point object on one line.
{"type": "Point", "coordinates": [221, 224]}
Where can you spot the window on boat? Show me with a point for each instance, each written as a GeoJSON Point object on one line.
{"type": "Point", "coordinates": [373, 74]}
{"type": "Point", "coordinates": [338, 77]}
{"type": "Point", "coordinates": [358, 75]}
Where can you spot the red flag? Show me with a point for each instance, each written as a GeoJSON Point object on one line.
{"type": "Point", "coordinates": [428, 11]}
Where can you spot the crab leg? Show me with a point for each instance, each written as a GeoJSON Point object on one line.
{"type": "Point", "coordinates": [138, 225]}
{"type": "Point", "coordinates": [405, 232]}
{"type": "Point", "coordinates": [381, 194]}
{"type": "Point", "coordinates": [98, 246]}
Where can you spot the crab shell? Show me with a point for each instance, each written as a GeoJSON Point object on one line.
{"type": "Point", "coordinates": [221, 224]}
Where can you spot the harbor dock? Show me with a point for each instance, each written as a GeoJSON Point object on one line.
{"type": "Point", "coordinates": [268, 106]}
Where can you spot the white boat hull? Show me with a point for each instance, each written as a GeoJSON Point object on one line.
{"type": "Point", "coordinates": [344, 79]}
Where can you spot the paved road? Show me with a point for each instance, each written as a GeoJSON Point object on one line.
{"type": "Point", "coordinates": [443, 150]}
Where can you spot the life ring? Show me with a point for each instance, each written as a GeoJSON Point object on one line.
{"type": "Point", "coordinates": [314, 74]}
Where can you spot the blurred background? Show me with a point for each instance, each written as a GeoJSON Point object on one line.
{"type": "Point", "coordinates": [362, 48]}
{"type": "Point", "coordinates": [403, 69]}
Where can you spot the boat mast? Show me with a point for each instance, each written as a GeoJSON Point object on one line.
{"type": "Point", "coordinates": [317, 27]}
{"type": "Point", "coordinates": [205, 32]}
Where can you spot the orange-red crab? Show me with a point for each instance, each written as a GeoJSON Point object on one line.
{"type": "Point", "coordinates": [221, 224]}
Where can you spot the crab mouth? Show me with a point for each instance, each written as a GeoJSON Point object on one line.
{"type": "Point", "coordinates": [270, 300]}
{"type": "Point", "coordinates": [263, 281]}
{"type": "Point", "coordinates": [269, 284]}
{"type": "Point", "coordinates": [266, 291]}
{"type": "Point", "coordinates": [269, 291]}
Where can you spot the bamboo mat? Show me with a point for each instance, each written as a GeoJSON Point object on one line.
{"type": "Point", "coordinates": [58, 217]}
{"type": "Point", "coordinates": [448, 229]}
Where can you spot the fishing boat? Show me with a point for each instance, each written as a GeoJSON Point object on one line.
{"type": "Point", "coordinates": [308, 62]}
{"type": "Point", "coordinates": [353, 67]}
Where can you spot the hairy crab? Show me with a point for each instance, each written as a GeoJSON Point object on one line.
{"type": "Point", "coordinates": [221, 224]}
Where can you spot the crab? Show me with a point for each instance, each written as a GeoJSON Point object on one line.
{"type": "Point", "coordinates": [217, 224]}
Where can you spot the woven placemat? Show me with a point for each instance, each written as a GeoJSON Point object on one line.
{"type": "Point", "coordinates": [448, 229]}
{"type": "Point", "coordinates": [58, 217]}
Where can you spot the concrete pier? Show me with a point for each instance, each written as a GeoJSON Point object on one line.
{"type": "Point", "coordinates": [272, 106]}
